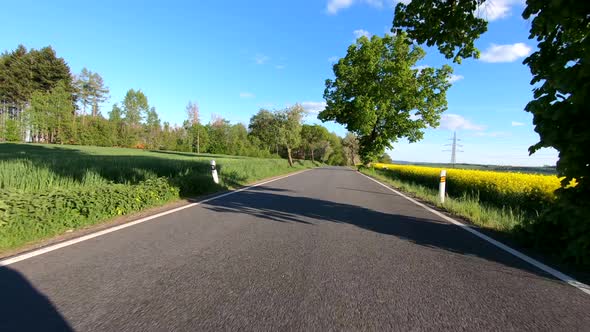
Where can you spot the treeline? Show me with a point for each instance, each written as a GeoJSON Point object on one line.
{"type": "Point", "coordinates": [41, 101]}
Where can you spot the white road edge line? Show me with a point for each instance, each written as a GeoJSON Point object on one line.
{"type": "Point", "coordinates": [64, 244]}
{"type": "Point", "coordinates": [559, 275]}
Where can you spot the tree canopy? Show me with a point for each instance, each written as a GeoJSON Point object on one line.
{"type": "Point", "coordinates": [263, 127]}
{"type": "Point", "coordinates": [561, 75]}
{"type": "Point", "coordinates": [452, 26]}
{"type": "Point", "coordinates": [380, 95]}
{"type": "Point", "coordinates": [312, 138]}
{"type": "Point", "coordinates": [91, 90]}
{"type": "Point", "coordinates": [350, 144]}
{"type": "Point", "coordinates": [288, 122]}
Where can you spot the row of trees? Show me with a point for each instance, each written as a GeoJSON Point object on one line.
{"type": "Point", "coordinates": [41, 101]}
{"type": "Point", "coordinates": [39, 96]}
{"type": "Point", "coordinates": [283, 128]}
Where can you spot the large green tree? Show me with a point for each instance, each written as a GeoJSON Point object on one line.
{"type": "Point", "coordinates": [350, 145]}
{"type": "Point", "coordinates": [219, 136]}
{"type": "Point", "coordinates": [263, 126]}
{"type": "Point", "coordinates": [152, 129]}
{"type": "Point", "coordinates": [91, 90]}
{"type": "Point", "coordinates": [51, 115]}
{"type": "Point", "coordinates": [25, 72]}
{"type": "Point", "coordinates": [379, 95]}
{"type": "Point", "coordinates": [116, 119]}
{"type": "Point", "coordinates": [135, 109]}
{"type": "Point", "coordinates": [288, 123]}
{"type": "Point", "coordinates": [561, 76]}
{"type": "Point", "coordinates": [452, 26]}
{"type": "Point", "coordinates": [313, 137]}
{"type": "Point", "coordinates": [336, 154]}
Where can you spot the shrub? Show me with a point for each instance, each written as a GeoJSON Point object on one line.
{"type": "Point", "coordinates": [25, 217]}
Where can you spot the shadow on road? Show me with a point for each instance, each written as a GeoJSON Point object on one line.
{"type": "Point", "coordinates": [23, 308]}
{"type": "Point", "coordinates": [272, 204]}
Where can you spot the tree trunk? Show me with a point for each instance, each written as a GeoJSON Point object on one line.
{"type": "Point", "coordinates": [312, 160]}
{"type": "Point", "coordinates": [289, 155]}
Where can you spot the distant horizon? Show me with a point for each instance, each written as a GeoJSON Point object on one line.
{"type": "Point", "coordinates": [473, 164]}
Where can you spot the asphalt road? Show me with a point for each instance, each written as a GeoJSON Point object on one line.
{"type": "Point", "coordinates": [327, 249]}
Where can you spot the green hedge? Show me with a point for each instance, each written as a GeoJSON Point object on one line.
{"type": "Point", "coordinates": [25, 217]}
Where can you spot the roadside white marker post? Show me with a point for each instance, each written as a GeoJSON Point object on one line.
{"type": "Point", "coordinates": [442, 185]}
{"type": "Point", "coordinates": [214, 172]}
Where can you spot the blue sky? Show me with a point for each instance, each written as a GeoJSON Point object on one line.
{"type": "Point", "coordinates": [233, 58]}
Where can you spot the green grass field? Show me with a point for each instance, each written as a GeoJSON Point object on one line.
{"type": "Point", "coordinates": [48, 189]}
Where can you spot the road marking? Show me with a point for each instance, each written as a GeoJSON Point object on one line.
{"type": "Point", "coordinates": [64, 244]}
{"type": "Point", "coordinates": [557, 274]}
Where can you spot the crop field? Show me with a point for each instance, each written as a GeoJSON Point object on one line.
{"type": "Point", "coordinates": [547, 170]}
{"type": "Point", "coordinates": [514, 205]}
{"type": "Point", "coordinates": [48, 189]}
{"type": "Point", "coordinates": [501, 201]}
{"type": "Point", "coordinates": [526, 192]}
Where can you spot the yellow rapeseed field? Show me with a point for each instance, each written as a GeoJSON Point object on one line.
{"type": "Point", "coordinates": [530, 192]}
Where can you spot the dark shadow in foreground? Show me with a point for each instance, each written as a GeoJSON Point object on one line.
{"type": "Point", "coordinates": [280, 206]}
{"type": "Point", "coordinates": [23, 308]}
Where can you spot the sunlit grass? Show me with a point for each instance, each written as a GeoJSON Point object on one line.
{"type": "Point", "coordinates": [467, 206]}
{"type": "Point", "coordinates": [48, 189]}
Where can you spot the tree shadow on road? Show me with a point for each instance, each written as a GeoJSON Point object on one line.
{"type": "Point", "coordinates": [24, 308]}
{"type": "Point", "coordinates": [275, 205]}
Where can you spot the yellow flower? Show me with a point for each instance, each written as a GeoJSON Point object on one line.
{"type": "Point", "coordinates": [527, 191]}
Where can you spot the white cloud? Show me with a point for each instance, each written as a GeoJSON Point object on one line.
{"type": "Point", "coordinates": [314, 107]}
{"type": "Point", "coordinates": [454, 78]}
{"type": "Point", "coordinates": [361, 32]}
{"type": "Point", "coordinates": [492, 10]}
{"type": "Point", "coordinates": [333, 59]}
{"type": "Point", "coordinates": [246, 95]}
{"type": "Point", "coordinates": [505, 53]}
{"type": "Point", "coordinates": [261, 59]}
{"type": "Point", "coordinates": [280, 66]}
{"type": "Point", "coordinates": [517, 124]}
{"type": "Point", "coordinates": [456, 121]}
{"type": "Point", "coordinates": [334, 6]}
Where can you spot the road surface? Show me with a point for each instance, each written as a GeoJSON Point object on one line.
{"type": "Point", "coordinates": [326, 249]}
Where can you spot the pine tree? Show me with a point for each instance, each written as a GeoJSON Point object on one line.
{"type": "Point", "coordinates": [91, 91]}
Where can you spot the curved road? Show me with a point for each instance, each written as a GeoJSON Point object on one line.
{"type": "Point", "coordinates": [326, 249]}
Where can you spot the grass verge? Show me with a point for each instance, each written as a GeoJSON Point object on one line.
{"type": "Point", "coordinates": [469, 207]}
{"type": "Point", "coordinates": [505, 224]}
{"type": "Point", "coordinates": [46, 190]}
